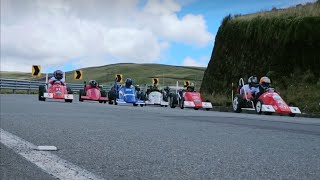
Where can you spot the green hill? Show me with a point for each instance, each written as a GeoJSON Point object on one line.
{"type": "Point", "coordinates": [140, 73]}
{"type": "Point", "coordinates": [283, 44]}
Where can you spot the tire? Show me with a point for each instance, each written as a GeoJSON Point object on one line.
{"type": "Point", "coordinates": [141, 105]}
{"type": "Point", "coordinates": [237, 103]}
{"type": "Point", "coordinates": [81, 93]}
{"type": "Point", "coordinates": [103, 93]}
{"type": "Point", "coordinates": [42, 89]}
{"type": "Point", "coordinates": [181, 103]}
{"type": "Point", "coordinates": [112, 98]}
{"type": "Point", "coordinates": [135, 104]}
{"type": "Point", "coordinates": [292, 105]}
{"type": "Point", "coordinates": [171, 102]}
{"type": "Point", "coordinates": [258, 106]}
{"type": "Point", "coordinates": [196, 108]}
{"type": "Point", "coordinates": [292, 114]}
{"type": "Point", "coordinates": [68, 100]}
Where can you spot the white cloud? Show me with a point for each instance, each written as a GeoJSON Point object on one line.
{"type": "Point", "coordinates": [95, 32]}
{"type": "Point", "coordinates": [201, 62]}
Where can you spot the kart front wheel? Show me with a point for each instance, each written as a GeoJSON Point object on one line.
{"type": "Point", "coordinates": [42, 89]}
{"type": "Point", "coordinates": [68, 100]}
{"type": "Point", "coordinates": [236, 103]}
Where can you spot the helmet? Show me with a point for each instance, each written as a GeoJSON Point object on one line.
{"type": "Point", "coordinates": [137, 87]}
{"type": "Point", "coordinates": [190, 87]}
{"type": "Point", "coordinates": [265, 82]}
{"type": "Point", "coordinates": [58, 74]}
{"type": "Point", "coordinates": [128, 82]}
{"type": "Point", "coordinates": [93, 83]}
{"type": "Point", "coordinates": [253, 81]}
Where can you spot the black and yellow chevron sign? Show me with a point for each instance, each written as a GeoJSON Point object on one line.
{"type": "Point", "coordinates": [77, 74]}
{"type": "Point", "coordinates": [155, 81]}
{"type": "Point", "coordinates": [36, 70]}
{"type": "Point", "coordinates": [119, 77]}
{"type": "Point", "coordinates": [186, 83]}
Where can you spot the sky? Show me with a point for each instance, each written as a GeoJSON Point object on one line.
{"type": "Point", "coordinates": [73, 34]}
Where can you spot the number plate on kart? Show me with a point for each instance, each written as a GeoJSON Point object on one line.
{"type": "Point", "coordinates": [48, 95]}
{"type": "Point", "coordinates": [295, 110]}
{"type": "Point", "coordinates": [68, 96]}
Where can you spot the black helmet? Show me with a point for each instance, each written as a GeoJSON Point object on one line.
{"type": "Point", "coordinates": [190, 87]}
{"type": "Point", "coordinates": [58, 74]}
{"type": "Point", "coordinates": [93, 83]}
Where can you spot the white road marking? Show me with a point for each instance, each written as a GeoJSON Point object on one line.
{"type": "Point", "coordinates": [47, 148]}
{"type": "Point", "coordinates": [47, 161]}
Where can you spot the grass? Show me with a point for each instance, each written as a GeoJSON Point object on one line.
{"type": "Point", "coordinates": [284, 42]}
{"type": "Point", "coordinates": [140, 73]}
{"type": "Point", "coordinates": [308, 10]}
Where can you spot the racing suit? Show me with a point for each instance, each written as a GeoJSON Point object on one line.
{"type": "Point", "coordinates": [254, 90]}
{"type": "Point", "coordinates": [53, 79]}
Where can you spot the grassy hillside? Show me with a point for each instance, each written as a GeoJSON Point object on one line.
{"type": "Point", "coordinates": [283, 44]}
{"type": "Point", "coordinates": [140, 73]}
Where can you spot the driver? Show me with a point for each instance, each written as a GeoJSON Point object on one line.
{"type": "Point", "coordinates": [128, 83]}
{"type": "Point", "coordinates": [92, 84]}
{"type": "Point", "coordinates": [57, 76]}
{"type": "Point", "coordinates": [252, 86]}
{"type": "Point", "coordinates": [190, 88]}
{"type": "Point", "coordinates": [264, 85]}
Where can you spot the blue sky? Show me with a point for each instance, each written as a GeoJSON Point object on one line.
{"type": "Point", "coordinates": [214, 11]}
{"type": "Point", "coordinates": [69, 35]}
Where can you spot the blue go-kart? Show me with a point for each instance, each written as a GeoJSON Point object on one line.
{"type": "Point", "coordinates": [120, 94]}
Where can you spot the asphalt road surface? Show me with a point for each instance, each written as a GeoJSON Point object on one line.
{"type": "Point", "coordinates": [126, 142]}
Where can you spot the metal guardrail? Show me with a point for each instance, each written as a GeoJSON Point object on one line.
{"type": "Point", "coordinates": [28, 85]}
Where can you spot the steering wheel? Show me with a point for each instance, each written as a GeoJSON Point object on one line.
{"type": "Point", "coordinates": [57, 82]}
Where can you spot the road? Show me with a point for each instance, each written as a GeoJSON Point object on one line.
{"type": "Point", "coordinates": [126, 142]}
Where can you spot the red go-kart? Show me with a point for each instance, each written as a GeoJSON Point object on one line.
{"type": "Point", "coordinates": [188, 99]}
{"type": "Point", "coordinates": [269, 102]}
{"type": "Point", "coordinates": [92, 94]}
{"type": "Point", "coordinates": [57, 91]}
{"type": "Point", "coordinates": [193, 100]}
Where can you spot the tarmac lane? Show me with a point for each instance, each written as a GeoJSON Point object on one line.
{"type": "Point", "coordinates": [103, 141]}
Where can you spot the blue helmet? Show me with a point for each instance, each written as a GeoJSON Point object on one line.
{"type": "Point", "coordinates": [129, 82]}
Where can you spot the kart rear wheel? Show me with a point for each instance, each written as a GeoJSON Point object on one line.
{"type": "Point", "coordinates": [141, 105]}
{"type": "Point", "coordinates": [103, 93]}
{"type": "Point", "coordinates": [81, 93]}
{"type": "Point", "coordinates": [259, 106]}
{"type": "Point", "coordinates": [182, 103]}
{"type": "Point", "coordinates": [171, 102]}
{"type": "Point", "coordinates": [196, 108]}
{"type": "Point", "coordinates": [236, 103]}
{"type": "Point", "coordinates": [135, 104]}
